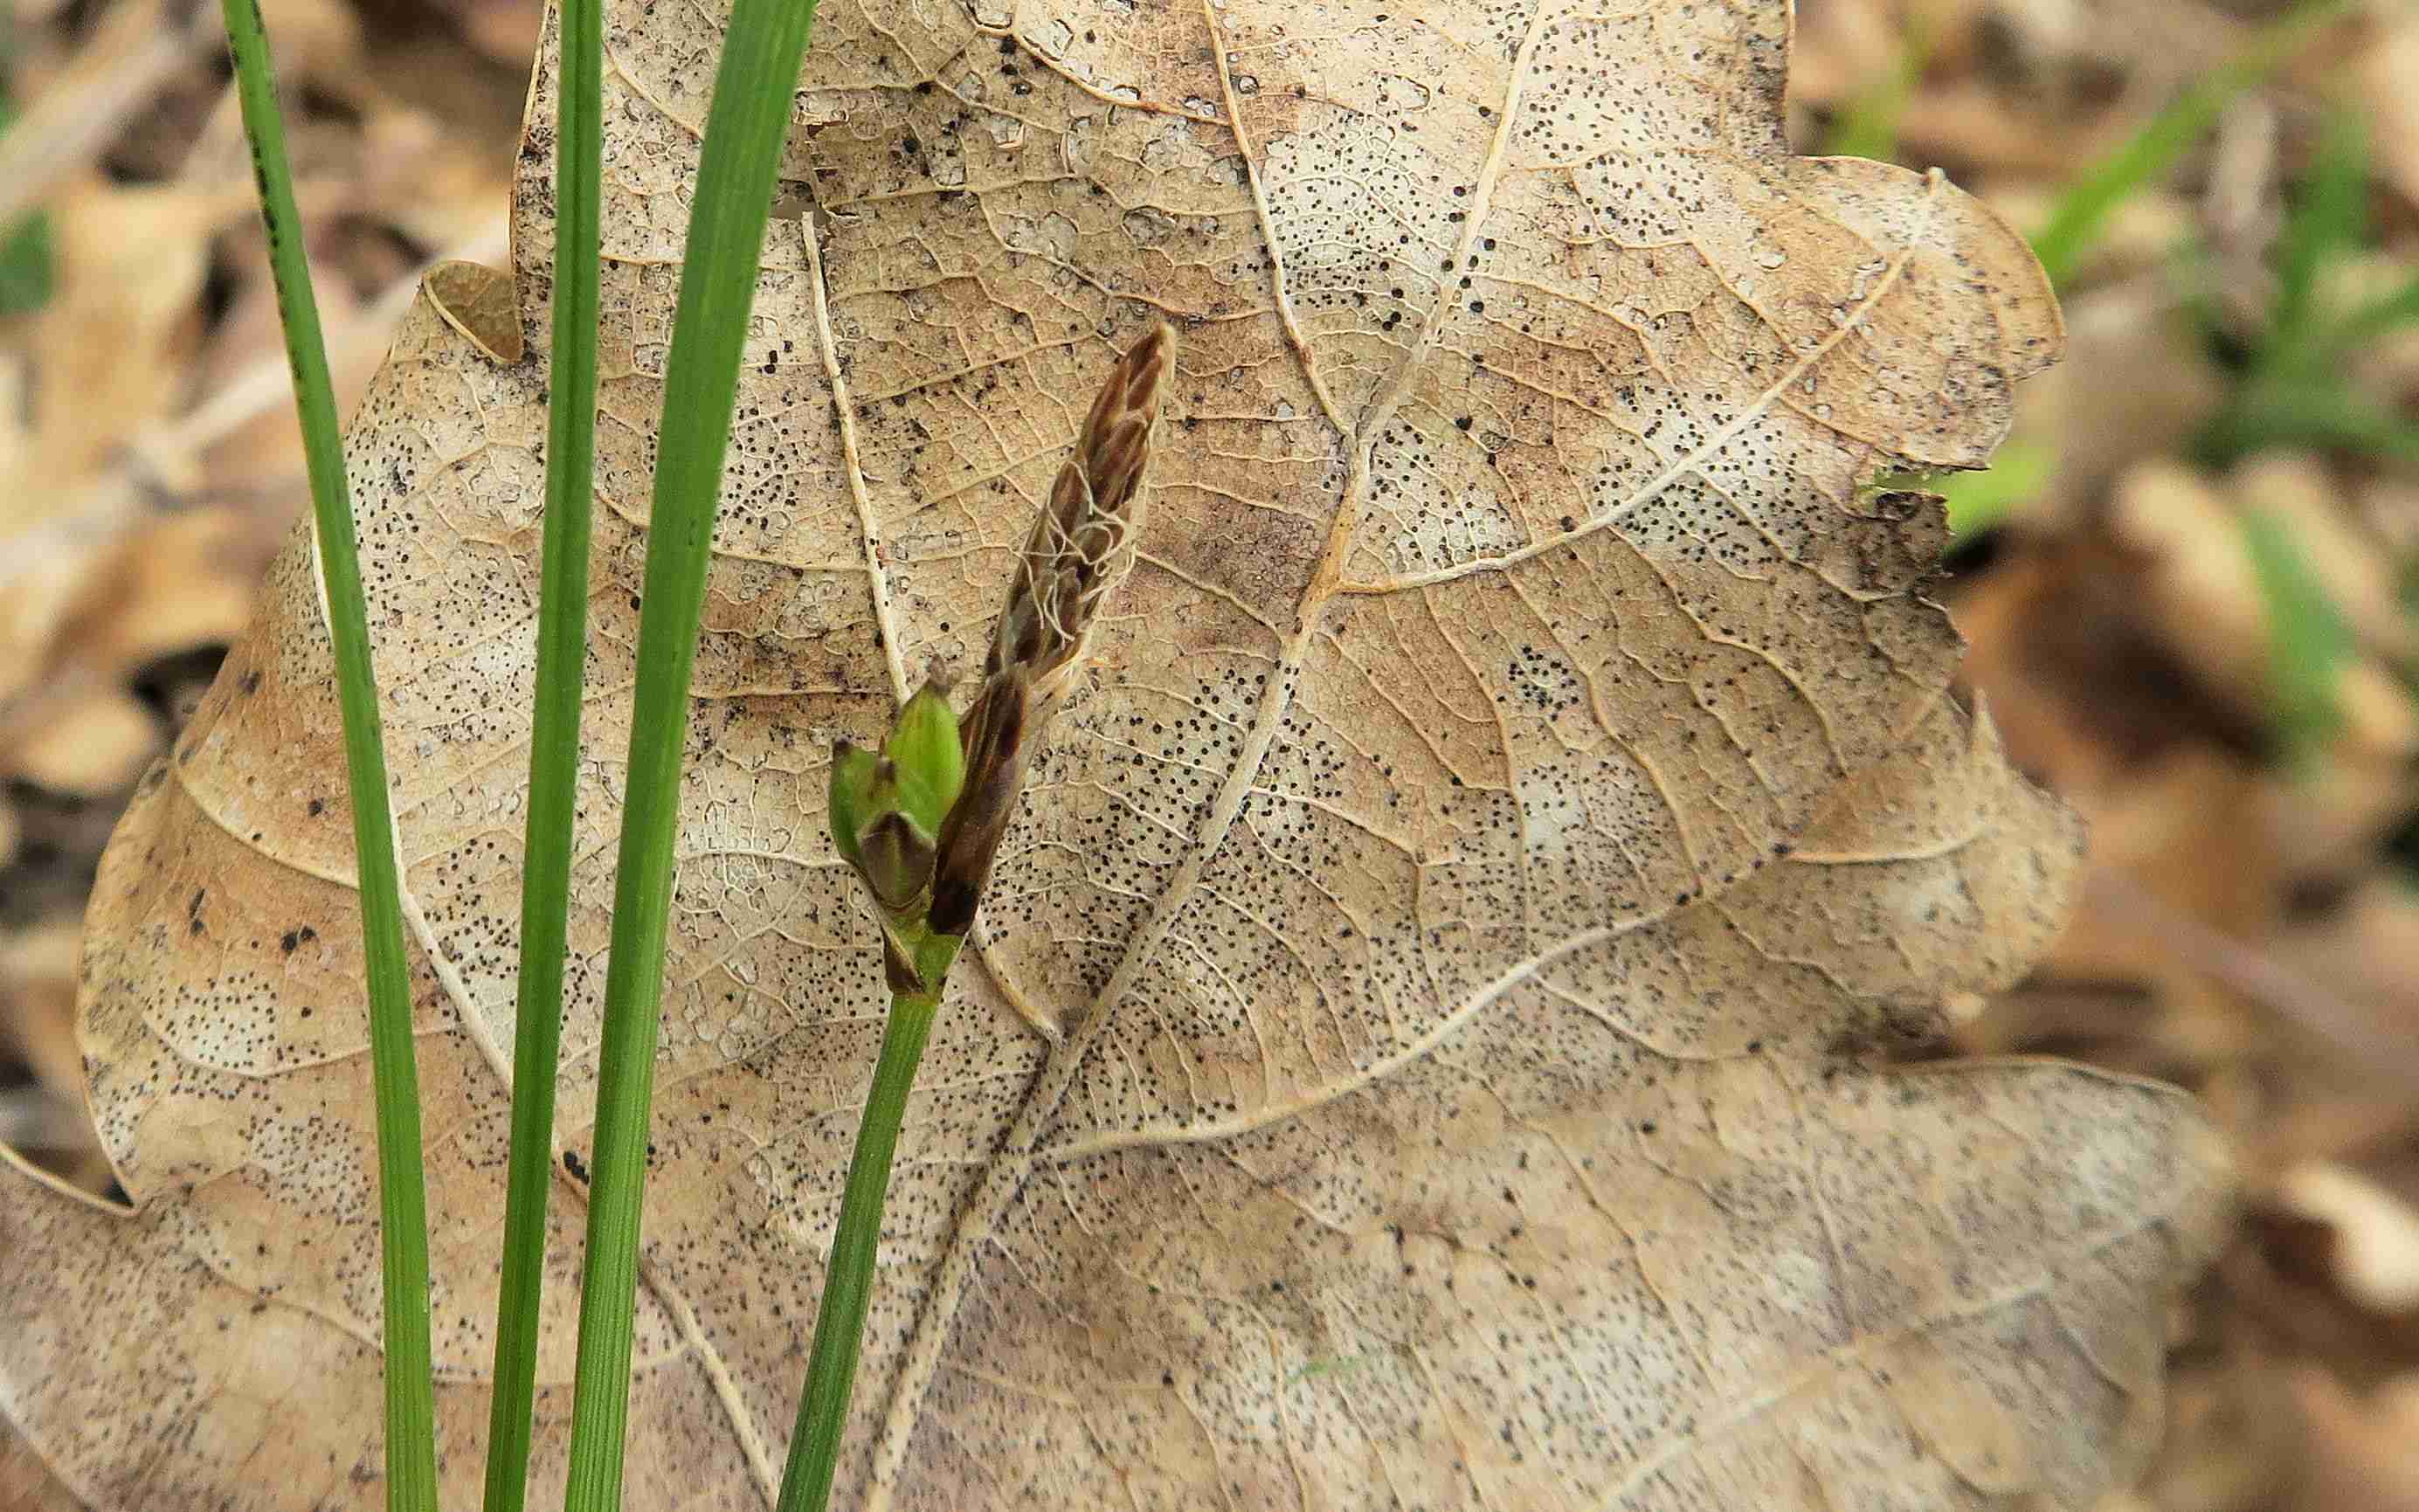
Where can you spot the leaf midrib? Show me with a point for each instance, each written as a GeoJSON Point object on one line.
{"type": "Point", "coordinates": [1013, 1164]}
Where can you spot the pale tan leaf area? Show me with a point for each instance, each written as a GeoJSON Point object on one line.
{"type": "Point", "coordinates": [1421, 1051]}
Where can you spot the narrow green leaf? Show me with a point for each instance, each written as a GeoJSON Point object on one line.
{"type": "Point", "coordinates": [2308, 640]}
{"type": "Point", "coordinates": [25, 247]}
{"type": "Point", "coordinates": [2329, 220]}
{"type": "Point", "coordinates": [25, 277]}
{"type": "Point", "coordinates": [554, 743]}
{"type": "Point", "coordinates": [2075, 225]}
{"type": "Point", "coordinates": [1976, 502]}
{"type": "Point", "coordinates": [743, 131]}
{"type": "Point", "coordinates": [2315, 414]}
{"type": "Point", "coordinates": [403, 1204]}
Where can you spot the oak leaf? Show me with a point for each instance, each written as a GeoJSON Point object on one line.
{"type": "Point", "coordinates": [1418, 1050]}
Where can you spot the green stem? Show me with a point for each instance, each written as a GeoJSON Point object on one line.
{"type": "Point", "coordinates": [753, 88]}
{"type": "Point", "coordinates": [554, 745]}
{"type": "Point", "coordinates": [848, 1285]}
{"type": "Point", "coordinates": [403, 1203]}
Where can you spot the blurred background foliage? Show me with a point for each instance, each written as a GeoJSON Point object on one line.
{"type": "Point", "coordinates": [2189, 580]}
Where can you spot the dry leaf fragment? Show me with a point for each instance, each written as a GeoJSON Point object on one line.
{"type": "Point", "coordinates": [2376, 1233]}
{"type": "Point", "coordinates": [26, 1484]}
{"type": "Point", "coordinates": [2364, 1450]}
{"type": "Point", "coordinates": [1517, 775]}
{"type": "Point", "coordinates": [95, 745]}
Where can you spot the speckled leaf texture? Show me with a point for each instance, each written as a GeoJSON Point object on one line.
{"type": "Point", "coordinates": [1420, 1052]}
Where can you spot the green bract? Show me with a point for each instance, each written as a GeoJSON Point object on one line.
{"type": "Point", "coordinates": [888, 809]}
{"type": "Point", "coordinates": [852, 785]}
{"type": "Point", "coordinates": [924, 747]}
{"type": "Point", "coordinates": [894, 856]}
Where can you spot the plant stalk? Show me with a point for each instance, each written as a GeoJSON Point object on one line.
{"type": "Point", "coordinates": [848, 1285]}
{"type": "Point", "coordinates": [554, 743]}
{"type": "Point", "coordinates": [753, 88]}
{"type": "Point", "coordinates": [402, 1201]}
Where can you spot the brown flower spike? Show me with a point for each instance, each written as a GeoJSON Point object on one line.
{"type": "Point", "coordinates": [1081, 546]}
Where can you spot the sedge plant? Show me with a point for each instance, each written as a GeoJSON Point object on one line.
{"type": "Point", "coordinates": [920, 820]}
{"type": "Point", "coordinates": [733, 203]}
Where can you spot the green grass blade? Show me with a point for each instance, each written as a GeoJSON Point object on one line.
{"type": "Point", "coordinates": [2308, 642]}
{"type": "Point", "coordinates": [1984, 498]}
{"type": "Point", "coordinates": [2306, 415]}
{"type": "Point", "coordinates": [848, 1286]}
{"type": "Point", "coordinates": [2328, 222]}
{"type": "Point", "coordinates": [25, 277]}
{"type": "Point", "coordinates": [744, 128]}
{"type": "Point", "coordinates": [554, 743]}
{"type": "Point", "coordinates": [2075, 225]}
{"type": "Point", "coordinates": [403, 1206]}
{"type": "Point", "coordinates": [2019, 472]}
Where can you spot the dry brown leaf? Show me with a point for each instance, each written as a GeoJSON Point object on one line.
{"type": "Point", "coordinates": [1412, 1062]}
{"type": "Point", "coordinates": [37, 980]}
{"type": "Point", "coordinates": [26, 1484]}
{"type": "Point", "coordinates": [108, 354]}
{"type": "Point", "coordinates": [113, 347]}
{"type": "Point", "coordinates": [2134, 383]}
{"type": "Point", "coordinates": [96, 745]}
{"type": "Point", "coordinates": [2362, 949]}
{"type": "Point", "coordinates": [2382, 74]}
{"type": "Point", "coordinates": [2364, 1450]}
{"type": "Point", "coordinates": [2376, 1232]}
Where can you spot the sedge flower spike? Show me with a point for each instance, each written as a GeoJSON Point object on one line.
{"type": "Point", "coordinates": [921, 820]}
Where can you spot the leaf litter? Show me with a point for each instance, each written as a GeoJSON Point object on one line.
{"type": "Point", "coordinates": [1452, 915]}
